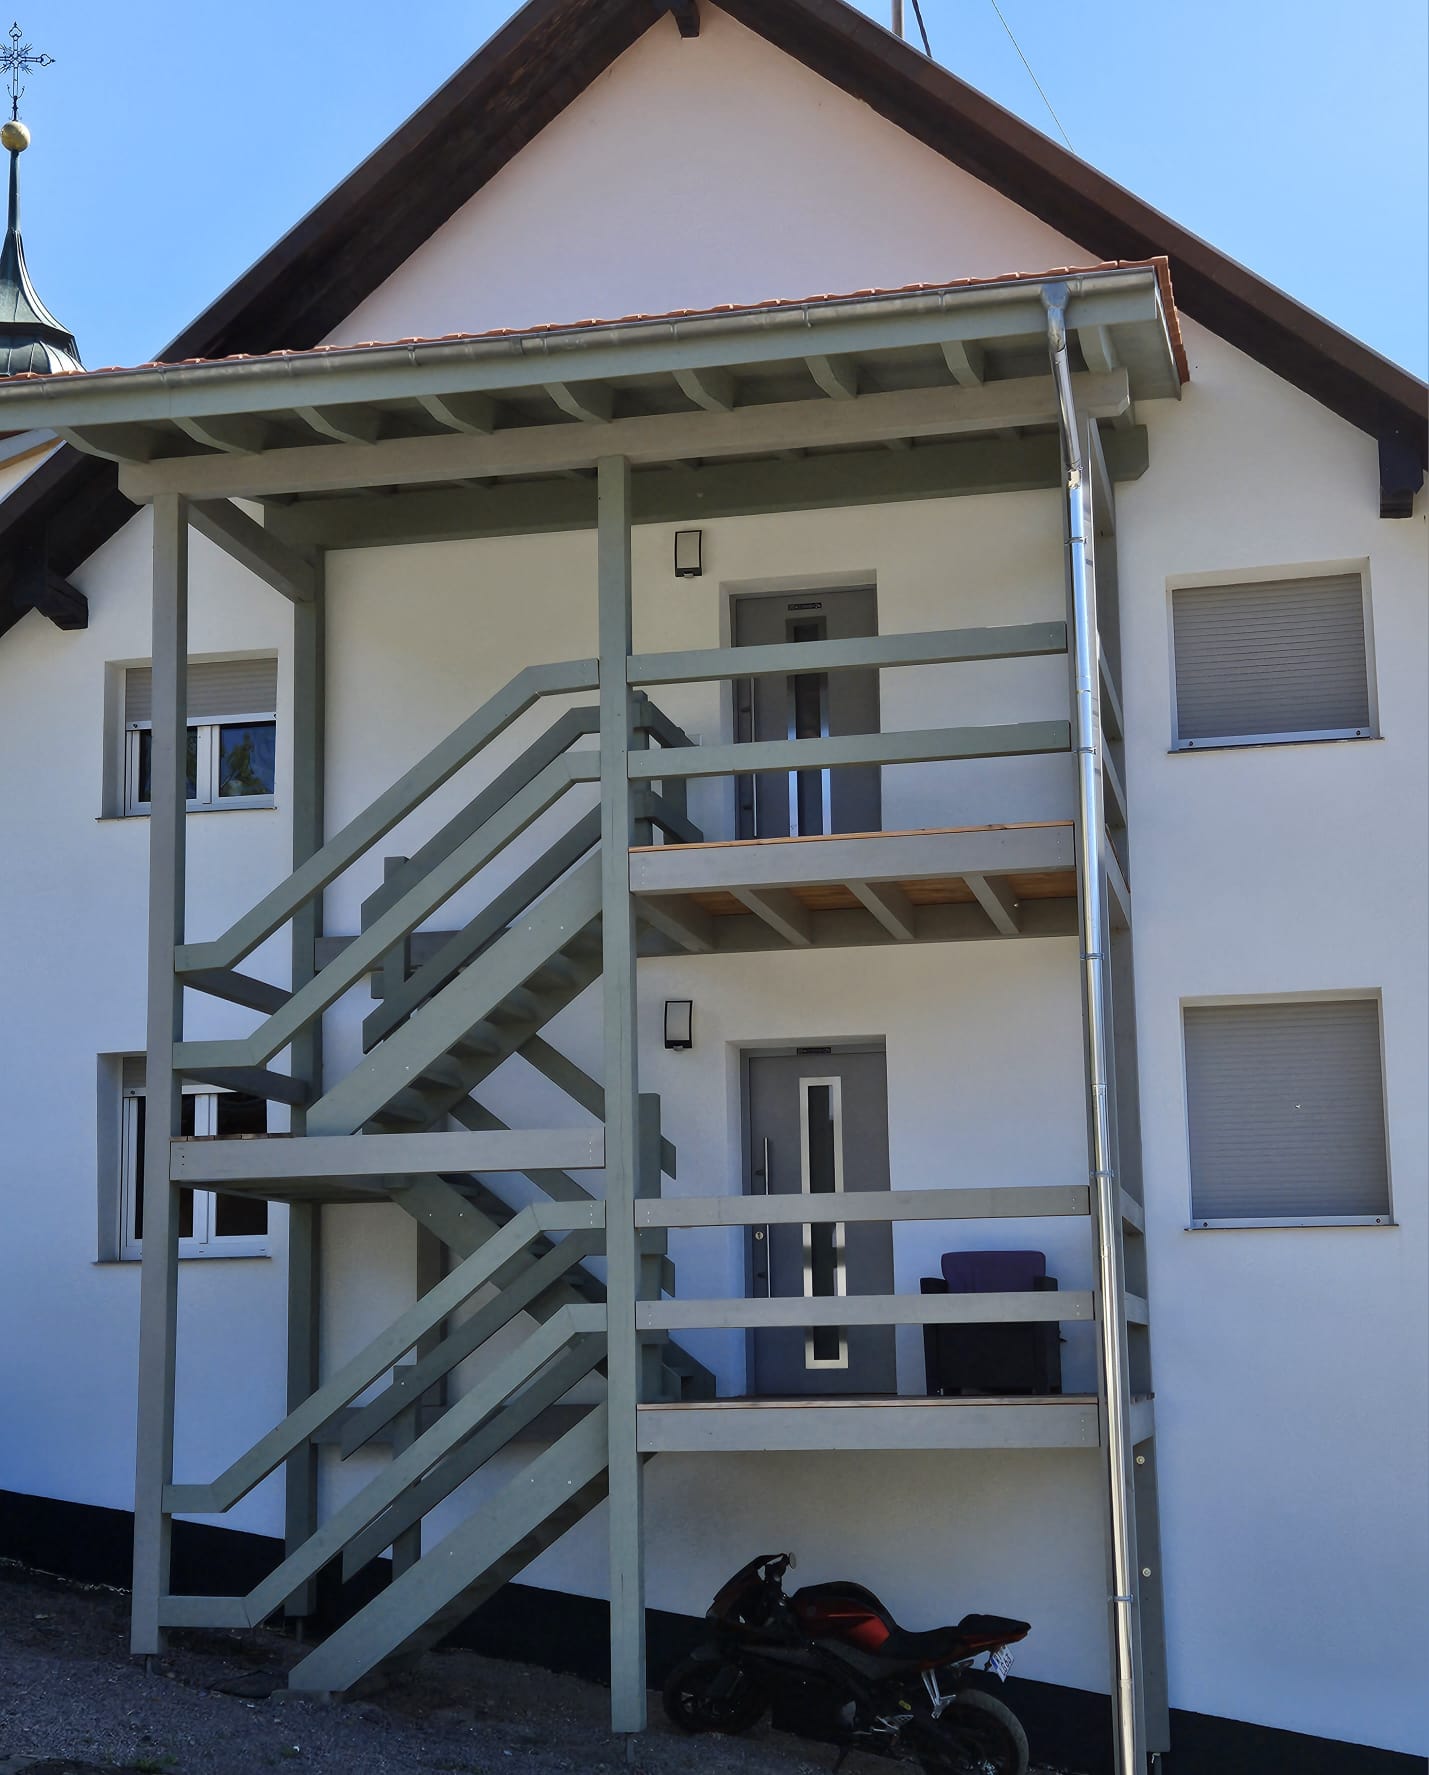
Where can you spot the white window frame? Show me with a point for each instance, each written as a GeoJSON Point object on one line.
{"type": "Point", "coordinates": [205, 1243]}
{"type": "Point", "coordinates": [1267, 575]}
{"type": "Point", "coordinates": [207, 798]}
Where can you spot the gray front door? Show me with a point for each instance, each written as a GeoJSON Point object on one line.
{"type": "Point", "coordinates": [807, 705]}
{"type": "Point", "coordinates": [818, 1124]}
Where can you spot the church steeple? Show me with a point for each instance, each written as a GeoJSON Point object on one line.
{"type": "Point", "coordinates": [31, 339]}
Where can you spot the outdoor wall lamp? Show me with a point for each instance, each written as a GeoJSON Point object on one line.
{"type": "Point", "coordinates": [689, 554]}
{"type": "Point", "coordinates": [679, 1022]}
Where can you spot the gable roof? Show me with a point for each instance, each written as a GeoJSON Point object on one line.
{"type": "Point", "coordinates": [543, 58]}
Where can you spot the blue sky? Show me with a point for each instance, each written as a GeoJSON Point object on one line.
{"type": "Point", "coordinates": [175, 141]}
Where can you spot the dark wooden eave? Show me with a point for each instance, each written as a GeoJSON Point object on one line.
{"type": "Point", "coordinates": [543, 59]}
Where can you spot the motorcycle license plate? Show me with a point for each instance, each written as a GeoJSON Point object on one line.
{"type": "Point", "coordinates": [999, 1662]}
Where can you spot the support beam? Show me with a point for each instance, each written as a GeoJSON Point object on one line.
{"type": "Point", "coordinates": [688, 494]}
{"type": "Point", "coordinates": [651, 438]}
{"type": "Point", "coordinates": [1115, 797]}
{"type": "Point", "coordinates": [291, 571]}
{"type": "Point", "coordinates": [622, 1107]}
{"type": "Point", "coordinates": [714, 390]}
{"type": "Point", "coordinates": [997, 1202]}
{"type": "Point", "coordinates": [836, 376]}
{"type": "Point", "coordinates": [998, 901]}
{"type": "Point", "coordinates": [890, 906]}
{"type": "Point", "coordinates": [201, 1163]}
{"type": "Point", "coordinates": [344, 425]}
{"type": "Point", "coordinates": [686, 14]}
{"type": "Point", "coordinates": [1098, 348]}
{"type": "Point", "coordinates": [35, 585]}
{"type": "Point", "coordinates": [1120, 908]}
{"type": "Point", "coordinates": [780, 911]}
{"type": "Point", "coordinates": [158, 1288]}
{"type": "Point", "coordinates": [966, 361]}
{"type": "Point", "coordinates": [461, 412]}
{"type": "Point", "coordinates": [593, 403]}
{"type": "Point", "coordinates": [235, 433]}
{"type": "Point", "coordinates": [679, 919]}
{"type": "Point", "coordinates": [304, 1278]}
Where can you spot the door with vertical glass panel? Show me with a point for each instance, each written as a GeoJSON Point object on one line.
{"type": "Point", "coordinates": [818, 1124]}
{"type": "Point", "coordinates": [803, 706]}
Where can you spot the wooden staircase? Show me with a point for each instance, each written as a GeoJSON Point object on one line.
{"type": "Point", "coordinates": [439, 1030]}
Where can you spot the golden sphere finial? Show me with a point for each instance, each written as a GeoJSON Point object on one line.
{"type": "Point", "coordinates": [14, 135]}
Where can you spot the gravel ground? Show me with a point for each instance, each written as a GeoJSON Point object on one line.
{"type": "Point", "coordinates": [72, 1702]}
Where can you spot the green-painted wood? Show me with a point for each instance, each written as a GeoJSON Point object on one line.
{"type": "Point", "coordinates": [413, 787]}
{"type": "Point", "coordinates": [692, 494]}
{"type": "Point", "coordinates": [578, 1085]}
{"type": "Point", "coordinates": [238, 1479]}
{"type": "Point", "coordinates": [406, 1607]}
{"type": "Point", "coordinates": [523, 1295]}
{"type": "Point", "coordinates": [552, 1180]}
{"type": "Point", "coordinates": [463, 946]}
{"type": "Point", "coordinates": [520, 1413]}
{"type": "Point", "coordinates": [365, 951]}
{"type": "Point", "coordinates": [934, 647]}
{"type": "Point", "coordinates": [304, 1278]}
{"type": "Point", "coordinates": [562, 733]}
{"type": "Point", "coordinates": [867, 1309]}
{"type": "Point", "coordinates": [438, 1027]}
{"type": "Point", "coordinates": [491, 1146]}
{"type": "Point", "coordinates": [278, 564]}
{"type": "Point", "coordinates": [938, 412]}
{"type": "Point", "coordinates": [929, 745]}
{"type": "Point", "coordinates": [408, 1466]}
{"type": "Point", "coordinates": [620, 1066]}
{"type": "Point", "coordinates": [1001, 1202]}
{"type": "Point", "coordinates": [1124, 296]}
{"type": "Point", "coordinates": [158, 1288]}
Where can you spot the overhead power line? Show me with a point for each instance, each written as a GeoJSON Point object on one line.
{"type": "Point", "coordinates": [1026, 64]}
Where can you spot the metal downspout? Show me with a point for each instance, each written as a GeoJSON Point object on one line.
{"type": "Point", "coordinates": [1106, 1191]}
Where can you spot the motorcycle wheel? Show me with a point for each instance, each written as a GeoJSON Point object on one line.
{"type": "Point", "coordinates": [979, 1736]}
{"type": "Point", "coordinates": [708, 1695]}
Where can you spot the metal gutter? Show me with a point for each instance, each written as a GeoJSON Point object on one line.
{"type": "Point", "coordinates": [594, 350]}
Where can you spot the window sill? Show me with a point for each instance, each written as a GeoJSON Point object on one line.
{"type": "Point", "coordinates": [1321, 1223]}
{"type": "Point", "coordinates": [1267, 742]}
{"type": "Point", "coordinates": [136, 1262]}
{"type": "Point", "coordinates": [246, 807]}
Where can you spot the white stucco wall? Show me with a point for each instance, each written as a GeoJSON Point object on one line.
{"type": "Point", "coordinates": [1289, 1364]}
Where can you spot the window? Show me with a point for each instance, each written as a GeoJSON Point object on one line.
{"type": "Point", "coordinates": [232, 734]}
{"type": "Point", "coordinates": [1285, 1103]}
{"type": "Point", "coordinates": [1278, 660]}
{"type": "Point", "coordinates": [210, 1224]}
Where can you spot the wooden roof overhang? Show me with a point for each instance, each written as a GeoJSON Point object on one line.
{"type": "Point", "coordinates": [879, 396]}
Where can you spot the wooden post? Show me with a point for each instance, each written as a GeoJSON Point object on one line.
{"type": "Point", "coordinates": [304, 1371]}
{"type": "Point", "coordinates": [622, 1114]}
{"type": "Point", "coordinates": [158, 1289]}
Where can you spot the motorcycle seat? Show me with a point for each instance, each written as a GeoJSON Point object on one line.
{"type": "Point", "coordinates": [941, 1645]}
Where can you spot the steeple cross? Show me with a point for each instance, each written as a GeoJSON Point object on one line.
{"type": "Point", "coordinates": [17, 58]}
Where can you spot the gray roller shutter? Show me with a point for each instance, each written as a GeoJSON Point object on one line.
{"type": "Point", "coordinates": [217, 689]}
{"type": "Point", "coordinates": [1277, 658]}
{"type": "Point", "coordinates": [133, 1070]}
{"type": "Point", "coordinates": [1286, 1110]}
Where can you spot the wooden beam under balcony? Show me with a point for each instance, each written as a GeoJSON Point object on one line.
{"type": "Point", "coordinates": [661, 494]}
{"type": "Point", "coordinates": [725, 1426]}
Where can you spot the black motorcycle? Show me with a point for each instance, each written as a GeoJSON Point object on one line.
{"type": "Point", "coordinates": [830, 1663]}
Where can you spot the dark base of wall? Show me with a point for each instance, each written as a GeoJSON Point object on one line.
{"type": "Point", "coordinates": [1067, 1727]}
